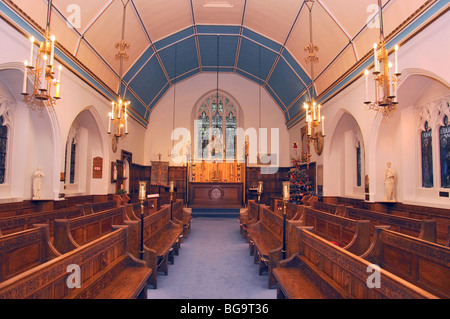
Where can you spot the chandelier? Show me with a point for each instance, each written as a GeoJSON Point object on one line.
{"type": "Point", "coordinates": [385, 84]}
{"type": "Point", "coordinates": [118, 117]}
{"type": "Point", "coordinates": [42, 70]}
{"type": "Point", "coordinates": [314, 119]}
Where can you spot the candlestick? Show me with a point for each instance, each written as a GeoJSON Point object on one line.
{"type": "Point", "coordinates": [109, 125]}
{"type": "Point", "coordinates": [286, 191]}
{"type": "Point", "coordinates": [323, 125]}
{"type": "Point", "coordinates": [25, 74]}
{"type": "Point", "coordinates": [375, 54]}
{"type": "Point", "coordinates": [171, 186]}
{"type": "Point", "coordinates": [366, 73]}
{"type": "Point", "coordinates": [44, 70]}
{"type": "Point", "coordinates": [396, 59]}
{"type": "Point", "coordinates": [31, 50]}
{"type": "Point", "coordinates": [58, 89]}
{"type": "Point", "coordinates": [112, 111]}
{"type": "Point", "coordinates": [52, 50]}
{"type": "Point", "coordinates": [142, 191]}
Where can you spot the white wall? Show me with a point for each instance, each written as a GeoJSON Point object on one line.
{"type": "Point", "coordinates": [246, 93]}
{"type": "Point", "coordinates": [425, 76]}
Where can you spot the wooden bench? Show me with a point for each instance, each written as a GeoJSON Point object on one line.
{"type": "Point", "coordinates": [19, 223]}
{"type": "Point", "coordinates": [424, 264]}
{"type": "Point", "coordinates": [336, 209]}
{"type": "Point", "coordinates": [92, 208]}
{"type": "Point", "coordinates": [16, 209]}
{"type": "Point", "coordinates": [322, 270]}
{"type": "Point", "coordinates": [352, 235]}
{"type": "Point", "coordinates": [72, 233]}
{"type": "Point", "coordinates": [24, 250]}
{"type": "Point", "coordinates": [423, 229]}
{"type": "Point", "coordinates": [293, 211]}
{"type": "Point", "coordinates": [266, 240]}
{"type": "Point", "coordinates": [248, 217]}
{"type": "Point", "coordinates": [161, 242]}
{"type": "Point", "coordinates": [184, 218]}
{"type": "Point", "coordinates": [108, 271]}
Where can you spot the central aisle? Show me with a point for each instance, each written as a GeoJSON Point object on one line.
{"type": "Point", "coordinates": [213, 263]}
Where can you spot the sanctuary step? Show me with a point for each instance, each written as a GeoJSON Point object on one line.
{"type": "Point", "coordinates": [216, 212]}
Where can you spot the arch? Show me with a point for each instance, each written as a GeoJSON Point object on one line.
{"type": "Point", "coordinates": [40, 132]}
{"type": "Point", "coordinates": [397, 139]}
{"type": "Point", "coordinates": [86, 129]}
{"type": "Point", "coordinates": [340, 156]}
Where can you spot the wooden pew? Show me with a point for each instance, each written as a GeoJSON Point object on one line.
{"type": "Point", "coordinates": [336, 209]}
{"type": "Point", "coordinates": [92, 208]}
{"type": "Point", "coordinates": [70, 234]}
{"type": "Point", "coordinates": [266, 240]}
{"type": "Point", "coordinates": [293, 211]}
{"type": "Point", "coordinates": [133, 210]}
{"type": "Point", "coordinates": [16, 209]}
{"type": "Point", "coordinates": [248, 217]}
{"type": "Point", "coordinates": [181, 215]}
{"type": "Point", "coordinates": [352, 235]}
{"type": "Point", "coordinates": [424, 264]}
{"type": "Point", "coordinates": [423, 229]}
{"type": "Point", "coordinates": [322, 270]}
{"type": "Point", "coordinates": [24, 250]}
{"type": "Point", "coordinates": [108, 271]}
{"type": "Point", "coordinates": [161, 241]}
{"type": "Point", "coordinates": [19, 223]}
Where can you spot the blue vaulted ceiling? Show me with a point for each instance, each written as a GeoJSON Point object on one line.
{"type": "Point", "coordinates": [204, 49]}
{"type": "Point", "coordinates": [261, 40]}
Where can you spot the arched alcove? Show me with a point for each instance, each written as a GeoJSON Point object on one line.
{"type": "Point", "coordinates": [33, 141]}
{"type": "Point", "coordinates": [84, 145]}
{"type": "Point", "coordinates": [344, 158]}
{"type": "Point", "coordinates": [399, 138]}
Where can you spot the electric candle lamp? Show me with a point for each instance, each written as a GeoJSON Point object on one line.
{"type": "Point", "coordinates": [31, 50]}
{"type": "Point", "coordinates": [396, 59]}
{"type": "Point", "coordinates": [25, 74]}
{"type": "Point", "coordinates": [286, 191]}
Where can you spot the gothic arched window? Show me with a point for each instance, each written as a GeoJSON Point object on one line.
{"type": "Point", "coordinates": [217, 123]}
{"type": "Point", "coordinates": [3, 149]}
{"type": "Point", "coordinates": [444, 145]}
{"type": "Point", "coordinates": [426, 139]}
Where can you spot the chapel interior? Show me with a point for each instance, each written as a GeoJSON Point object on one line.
{"type": "Point", "coordinates": [317, 130]}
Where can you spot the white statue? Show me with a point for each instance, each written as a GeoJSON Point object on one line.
{"type": "Point", "coordinates": [37, 183]}
{"type": "Point", "coordinates": [389, 183]}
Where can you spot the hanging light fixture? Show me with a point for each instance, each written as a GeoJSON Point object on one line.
{"type": "Point", "coordinates": [42, 70]}
{"type": "Point", "coordinates": [118, 117]}
{"type": "Point", "coordinates": [314, 118]}
{"type": "Point", "coordinates": [385, 84]}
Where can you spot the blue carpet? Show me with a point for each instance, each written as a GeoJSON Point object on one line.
{"type": "Point", "coordinates": [216, 212]}
{"type": "Point", "coordinates": [213, 263]}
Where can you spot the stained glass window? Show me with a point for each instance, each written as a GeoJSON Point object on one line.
{"type": "Point", "coordinates": [217, 132]}
{"type": "Point", "coordinates": [72, 162]}
{"type": "Point", "coordinates": [427, 158]}
{"type": "Point", "coordinates": [444, 143]}
{"type": "Point", "coordinates": [3, 149]}
{"type": "Point", "coordinates": [203, 139]}
{"type": "Point", "coordinates": [230, 136]}
{"type": "Point", "coordinates": [358, 166]}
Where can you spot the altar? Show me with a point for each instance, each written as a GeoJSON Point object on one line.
{"type": "Point", "coordinates": [216, 184]}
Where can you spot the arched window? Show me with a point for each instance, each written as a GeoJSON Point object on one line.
{"type": "Point", "coordinates": [444, 145]}
{"type": "Point", "coordinates": [3, 149]}
{"type": "Point", "coordinates": [217, 121]}
{"type": "Point", "coordinates": [426, 139]}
